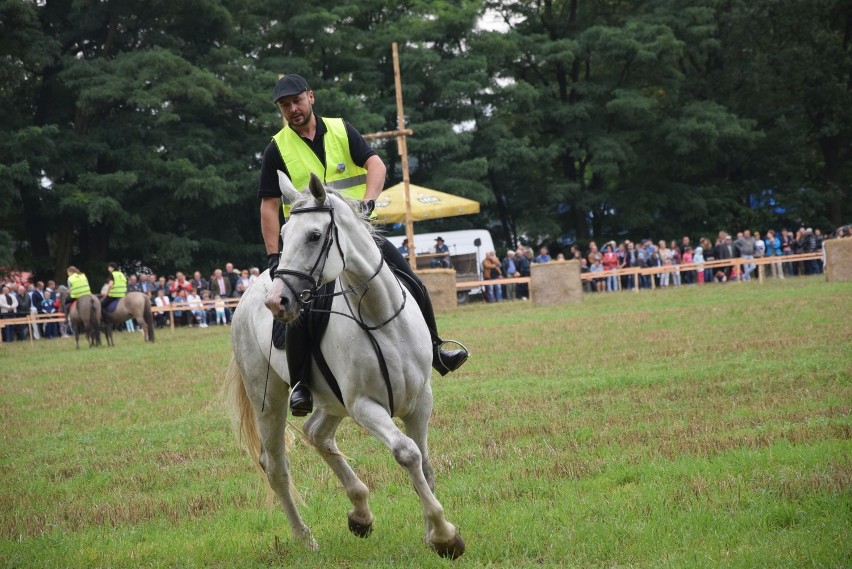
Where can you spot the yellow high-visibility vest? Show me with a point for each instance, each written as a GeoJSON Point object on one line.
{"type": "Point", "coordinates": [339, 171]}
{"type": "Point", "coordinates": [78, 285]}
{"type": "Point", "coordinates": [119, 285]}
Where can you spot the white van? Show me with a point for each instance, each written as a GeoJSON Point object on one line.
{"type": "Point", "coordinates": [467, 250]}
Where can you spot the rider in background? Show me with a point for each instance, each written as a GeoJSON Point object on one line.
{"type": "Point", "coordinates": [78, 285]}
{"type": "Point", "coordinates": [335, 151]}
{"type": "Point", "coordinates": [117, 288]}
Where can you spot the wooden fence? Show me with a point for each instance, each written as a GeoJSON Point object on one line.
{"type": "Point", "coordinates": [760, 263]}
{"type": "Point", "coordinates": [205, 305]}
{"type": "Point", "coordinates": [738, 262]}
{"type": "Point", "coordinates": [33, 320]}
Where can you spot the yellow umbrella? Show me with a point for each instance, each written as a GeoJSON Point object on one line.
{"type": "Point", "coordinates": [425, 204]}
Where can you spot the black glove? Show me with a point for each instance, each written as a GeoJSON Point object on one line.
{"type": "Point", "coordinates": [366, 208]}
{"type": "Point", "coordinates": [272, 262]}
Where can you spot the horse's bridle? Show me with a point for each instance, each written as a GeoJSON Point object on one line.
{"type": "Point", "coordinates": [309, 294]}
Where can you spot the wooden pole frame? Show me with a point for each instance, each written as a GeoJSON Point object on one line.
{"type": "Point", "coordinates": [402, 149]}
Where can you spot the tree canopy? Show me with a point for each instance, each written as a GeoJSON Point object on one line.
{"type": "Point", "coordinates": [133, 131]}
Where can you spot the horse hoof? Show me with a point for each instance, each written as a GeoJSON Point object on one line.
{"type": "Point", "coordinates": [359, 529]}
{"type": "Point", "coordinates": [452, 550]}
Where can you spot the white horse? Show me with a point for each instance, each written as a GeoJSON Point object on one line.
{"type": "Point", "coordinates": [327, 240]}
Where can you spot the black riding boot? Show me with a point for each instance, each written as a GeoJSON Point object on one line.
{"type": "Point", "coordinates": [104, 304]}
{"type": "Point", "coordinates": [444, 361]}
{"type": "Point", "coordinates": [299, 365]}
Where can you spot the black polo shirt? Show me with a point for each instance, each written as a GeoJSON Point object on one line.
{"type": "Point", "coordinates": [272, 161]}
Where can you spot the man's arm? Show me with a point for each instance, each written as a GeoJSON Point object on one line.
{"type": "Point", "coordinates": [269, 223]}
{"type": "Point", "coordinates": [376, 172]}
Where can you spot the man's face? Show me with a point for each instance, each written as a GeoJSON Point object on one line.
{"type": "Point", "coordinates": [297, 109]}
{"type": "Point", "coordinates": [197, 276]}
{"type": "Point", "coordinates": [229, 268]}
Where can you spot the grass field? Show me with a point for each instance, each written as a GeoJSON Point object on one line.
{"type": "Point", "coordinates": [697, 427]}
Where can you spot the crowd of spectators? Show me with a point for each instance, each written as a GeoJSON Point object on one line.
{"type": "Point", "coordinates": [22, 299]}
{"type": "Point", "coordinates": [19, 299]}
{"type": "Point", "coordinates": [613, 256]}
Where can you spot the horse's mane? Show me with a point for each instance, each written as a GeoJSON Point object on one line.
{"type": "Point", "coordinates": [305, 199]}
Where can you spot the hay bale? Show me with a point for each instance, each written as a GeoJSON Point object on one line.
{"type": "Point", "coordinates": [441, 284]}
{"type": "Point", "coordinates": [838, 260]}
{"type": "Point", "coordinates": [557, 282]}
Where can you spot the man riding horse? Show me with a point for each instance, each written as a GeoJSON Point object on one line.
{"type": "Point", "coordinates": [336, 152]}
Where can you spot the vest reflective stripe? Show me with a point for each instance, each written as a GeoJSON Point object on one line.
{"type": "Point", "coordinates": [119, 285]}
{"type": "Point", "coordinates": [78, 285]}
{"type": "Point", "coordinates": [339, 171]}
{"type": "Point", "coordinates": [341, 185]}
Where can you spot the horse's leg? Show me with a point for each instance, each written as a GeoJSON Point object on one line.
{"type": "Point", "coordinates": [274, 461]}
{"type": "Point", "coordinates": [443, 536]}
{"type": "Point", "coordinates": [269, 402]}
{"type": "Point", "coordinates": [320, 430]}
{"type": "Point", "coordinates": [416, 427]}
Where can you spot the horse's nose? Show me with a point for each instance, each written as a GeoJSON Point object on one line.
{"type": "Point", "coordinates": [285, 303]}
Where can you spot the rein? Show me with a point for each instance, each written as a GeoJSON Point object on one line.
{"type": "Point", "coordinates": [308, 296]}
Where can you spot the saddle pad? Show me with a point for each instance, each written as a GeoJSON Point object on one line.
{"type": "Point", "coordinates": [112, 306]}
{"type": "Point", "coordinates": [279, 330]}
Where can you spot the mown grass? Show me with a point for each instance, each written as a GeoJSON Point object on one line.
{"type": "Point", "coordinates": [698, 427]}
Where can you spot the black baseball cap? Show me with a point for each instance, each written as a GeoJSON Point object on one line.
{"type": "Point", "coordinates": [289, 85]}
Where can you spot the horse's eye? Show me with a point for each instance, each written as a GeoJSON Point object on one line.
{"type": "Point", "coordinates": [315, 236]}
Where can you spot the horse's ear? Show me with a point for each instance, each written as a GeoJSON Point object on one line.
{"type": "Point", "coordinates": [288, 190]}
{"type": "Point", "coordinates": [317, 188]}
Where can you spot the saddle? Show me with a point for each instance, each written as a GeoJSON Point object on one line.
{"type": "Point", "coordinates": [112, 305]}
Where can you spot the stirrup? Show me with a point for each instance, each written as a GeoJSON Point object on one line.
{"type": "Point", "coordinates": [440, 346]}
{"type": "Point", "coordinates": [300, 411]}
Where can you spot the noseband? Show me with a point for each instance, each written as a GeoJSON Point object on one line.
{"type": "Point", "coordinates": [329, 238]}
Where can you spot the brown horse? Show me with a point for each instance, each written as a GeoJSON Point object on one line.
{"type": "Point", "coordinates": [85, 316]}
{"type": "Point", "coordinates": [134, 305]}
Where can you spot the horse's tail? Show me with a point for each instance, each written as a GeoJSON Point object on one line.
{"type": "Point", "coordinates": [149, 319]}
{"type": "Point", "coordinates": [94, 321]}
{"type": "Point", "coordinates": [244, 421]}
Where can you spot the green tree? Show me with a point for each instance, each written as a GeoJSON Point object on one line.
{"type": "Point", "coordinates": [133, 123]}
{"type": "Point", "coordinates": [788, 65]}
{"type": "Point", "coordinates": [596, 102]}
